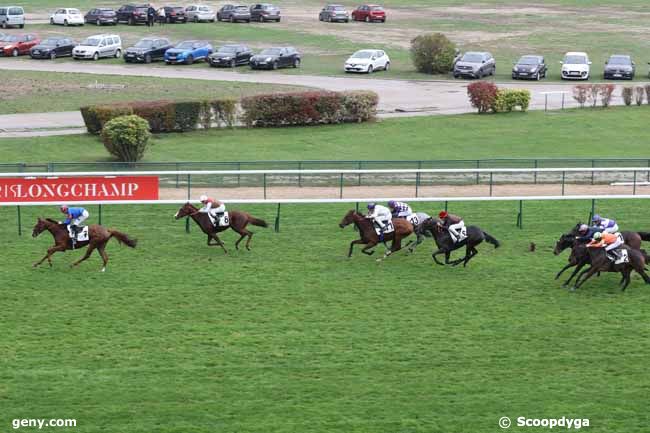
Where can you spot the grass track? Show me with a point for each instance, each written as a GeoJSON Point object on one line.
{"type": "Point", "coordinates": [294, 337]}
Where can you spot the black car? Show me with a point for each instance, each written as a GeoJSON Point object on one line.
{"type": "Point", "coordinates": [620, 67]}
{"type": "Point", "coordinates": [147, 50]}
{"type": "Point", "coordinates": [132, 14]}
{"type": "Point", "coordinates": [101, 16]}
{"type": "Point", "coordinates": [230, 55]}
{"type": "Point", "coordinates": [175, 14]}
{"type": "Point", "coordinates": [234, 13]}
{"type": "Point", "coordinates": [265, 12]}
{"type": "Point", "coordinates": [51, 48]}
{"type": "Point", "coordinates": [274, 58]}
{"type": "Point", "coordinates": [529, 67]}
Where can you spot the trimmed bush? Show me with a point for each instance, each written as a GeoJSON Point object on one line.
{"type": "Point", "coordinates": [187, 115]}
{"type": "Point", "coordinates": [308, 108]}
{"type": "Point", "coordinates": [159, 114]}
{"type": "Point", "coordinates": [224, 112]}
{"type": "Point", "coordinates": [126, 137]}
{"type": "Point", "coordinates": [432, 53]}
{"type": "Point", "coordinates": [91, 120]}
{"type": "Point", "coordinates": [639, 93]}
{"type": "Point", "coordinates": [647, 92]}
{"type": "Point", "coordinates": [627, 93]}
{"type": "Point", "coordinates": [509, 99]}
{"type": "Point", "coordinates": [482, 95]}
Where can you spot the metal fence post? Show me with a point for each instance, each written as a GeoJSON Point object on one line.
{"type": "Point", "coordinates": [264, 180]}
{"type": "Point", "coordinates": [20, 228]}
{"type": "Point", "coordinates": [446, 205]}
{"type": "Point", "coordinates": [478, 165]}
{"type": "Point", "coordinates": [593, 165]}
{"type": "Point", "coordinates": [177, 175]}
{"type": "Point", "coordinates": [417, 183]}
{"type": "Point", "coordinates": [491, 173]}
{"type": "Point", "coordinates": [189, 193]}
{"type": "Point", "coordinates": [535, 173]}
{"type": "Point", "coordinates": [238, 175]}
{"type": "Point", "coordinates": [300, 174]}
{"type": "Point", "coordinates": [277, 219]}
{"type": "Point", "coordinates": [593, 210]}
{"type": "Point", "coordinates": [99, 213]}
{"type": "Point", "coordinates": [341, 186]}
{"type": "Point", "coordinates": [545, 101]}
{"type": "Point", "coordinates": [359, 180]}
{"type": "Point", "coordinates": [634, 184]}
{"type": "Point", "coordinates": [520, 215]}
{"type": "Point", "coordinates": [563, 176]}
{"type": "Point", "coordinates": [563, 93]}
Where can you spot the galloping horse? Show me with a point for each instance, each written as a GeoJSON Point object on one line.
{"type": "Point", "coordinates": [368, 236]}
{"type": "Point", "coordinates": [446, 244]}
{"type": "Point", "coordinates": [238, 222]}
{"type": "Point", "coordinates": [98, 237]}
{"type": "Point", "coordinates": [601, 263]}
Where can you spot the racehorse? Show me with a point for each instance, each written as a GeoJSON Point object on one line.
{"type": "Point", "coordinates": [601, 263]}
{"type": "Point", "coordinates": [446, 244]}
{"type": "Point", "coordinates": [238, 222]}
{"type": "Point", "coordinates": [368, 236]}
{"type": "Point", "coordinates": [98, 237]}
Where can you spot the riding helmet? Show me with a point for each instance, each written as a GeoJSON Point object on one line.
{"type": "Point", "coordinates": [443, 214]}
{"type": "Point", "coordinates": [391, 203]}
{"type": "Point", "coordinates": [203, 198]}
{"type": "Point", "coordinates": [372, 205]}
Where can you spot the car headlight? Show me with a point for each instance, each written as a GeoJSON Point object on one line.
{"type": "Point", "coordinates": [268, 59]}
{"type": "Point", "coordinates": [7, 47]}
{"type": "Point", "coordinates": [226, 58]}
{"type": "Point", "coordinates": [516, 69]}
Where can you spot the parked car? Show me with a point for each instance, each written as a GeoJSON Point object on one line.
{"type": "Point", "coordinates": [147, 50]}
{"type": "Point", "coordinates": [16, 45]}
{"type": "Point", "coordinates": [132, 14]}
{"type": "Point", "coordinates": [230, 55]}
{"type": "Point", "coordinates": [95, 47]}
{"type": "Point", "coordinates": [234, 13]}
{"type": "Point", "coordinates": [369, 13]}
{"type": "Point", "coordinates": [12, 16]}
{"type": "Point", "coordinates": [529, 67]}
{"type": "Point", "coordinates": [274, 58]}
{"type": "Point", "coordinates": [619, 66]}
{"type": "Point", "coordinates": [198, 13]}
{"type": "Point", "coordinates": [475, 64]}
{"type": "Point", "coordinates": [187, 52]}
{"type": "Point", "coordinates": [367, 61]}
{"type": "Point", "coordinates": [575, 66]}
{"type": "Point", "coordinates": [53, 47]}
{"type": "Point", "coordinates": [334, 13]}
{"type": "Point", "coordinates": [175, 14]}
{"type": "Point", "coordinates": [99, 16]}
{"type": "Point", "coordinates": [265, 12]}
{"type": "Point", "coordinates": [67, 17]}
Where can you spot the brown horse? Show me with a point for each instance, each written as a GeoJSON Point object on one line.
{"type": "Point", "coordinates": [601, 263]}
{"type": "Point", "coordinates": [238, 222]}
{"type": "Point", "coordinates": [369, 237]}
{"type": "Point", "coordinates": [98, 237]}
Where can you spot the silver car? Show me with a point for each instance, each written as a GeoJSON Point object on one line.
{"type": "Point", "coordinates": [332, 13]}
{"type": "Point", "coordinates": [12, 16]}
{"type": "Point", "coordinates": [475, 64]}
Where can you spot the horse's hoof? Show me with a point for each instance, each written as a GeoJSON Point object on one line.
{"type": "Point", "coordinates": [379, 260]}
{"type": "Point", "coordinates": [103, 270]}
{"type": "Point", "coordinates": [572, 289]}
{"type": "Point", "coordinates": [35, 265]}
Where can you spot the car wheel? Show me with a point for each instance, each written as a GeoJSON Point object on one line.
{"type": "Point", "coordinates": [233, 63]}
{"type": "Point", "coordinates": [52, 21]}
{"type": "Point", "coordinates": [131, 21]}
{"type": "Point", "coordinates": [15, 52]}
{"type": "Point", "coordinates": [296, 63]}
{"type": "Point", "coordinates": [538, 76]}
{"type": "Point", "coordinates": [118, 54]}
{"type": "Point", "coordinates": [4, 25]}
{"type": "Point", "coordinates": [65, 23]}
{"type": "Point", "coordinates": [52, 55]}
{"type": "Point", "coordinates": [330, 19]}
{"type": "Point", "coordinates": [387, 67]}
{"type": "Point", "coordinates": [147, 58]}
{"type": "Point", "coordinates": [98, 23]}
{"type": "Point", "coordinates": [261, 18]}
{"type": "Point", "coordinates": [189, 60]}
{"type": "Point", "coordinates": [370, 69]}
{"type": "Point", "coordinates": [232, 19]}
{"type": "Point", "coordinates": [22, 26]}
{"type": "Point", "coordinates": [96, 56]}
{"type": "Point", "coordinates": [367, 19]}
{"type": "Point", "coordinates": [275, 65]}
{"type": "Point", "coordinates": [196, 19]}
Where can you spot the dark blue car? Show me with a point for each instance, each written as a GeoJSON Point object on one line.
{"type": "Point", "coordinates": [188, 51]}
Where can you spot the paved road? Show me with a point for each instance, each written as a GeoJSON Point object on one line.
{"type": "Point", "coordinates": [397, 97]}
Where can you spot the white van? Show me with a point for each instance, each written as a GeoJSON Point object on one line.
{"type": "Point", "coordinates": [98, 46]}
{"type": "Point", "coordinates": [12, 16]}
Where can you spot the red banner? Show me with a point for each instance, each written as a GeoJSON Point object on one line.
{"type": "Point", "coordinates": [70, 189]}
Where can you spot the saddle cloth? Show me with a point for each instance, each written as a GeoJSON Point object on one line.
{"type": "Point", "coordinates": [82, 235]}
{"type": "Point", "coordinates": [224, 221]}
{"type": "Point", "coordinates": [462, 235]}
{"type": "Point", "coordinates": [413, 219]}
{"type": "Point", "coordinates": [390, 228]}
{"type": "Point", "coordinates": [623, 257]}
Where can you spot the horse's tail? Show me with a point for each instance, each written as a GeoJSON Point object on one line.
{"type": "Point", "coordinates": [123, 238]}
{"type": "Point", "coordinates": [645, 236]}
{"type": "Point", "coordinates": [491, 240]}
{"type": "Point", "coordinates": [257, 222]}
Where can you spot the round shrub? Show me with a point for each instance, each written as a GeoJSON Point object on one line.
{"type": "Point", "coordinates": [433, 53]}
{"type": "Point", "coordinates": [482, 95]}
{"type": "Point", "coordinates": [126, 137]}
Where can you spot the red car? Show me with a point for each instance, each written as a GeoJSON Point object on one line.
{"type": "Point", "coordinates": [369, 13]}
{"type": "Point", "coordinates": [15, 45]}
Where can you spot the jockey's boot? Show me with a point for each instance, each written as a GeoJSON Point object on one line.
{"type": "Point", "coordinates": [453, 237]}
{"type": "Point", "coordinates": [612, 255]}
{"type": "Point", "coordinates": [75, 230]}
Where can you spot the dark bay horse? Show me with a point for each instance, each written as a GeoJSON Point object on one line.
{"type": "Point", "coordinates": [446, 244]}
{"type": "Point", "coordinates": [601, 263]}
{"type": "Point", "coordinates": [368, 236]}
{"type": "Point", "coordinates": [238, 222]}
{"type": "Point", "coordinates": [98, 237]}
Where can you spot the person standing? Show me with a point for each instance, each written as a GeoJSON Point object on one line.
{"type": "Point", "coordinates": [151, 15]}
{"type": "Point", "coordinates": [162, 16]}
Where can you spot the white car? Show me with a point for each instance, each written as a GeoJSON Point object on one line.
{"type": "Point", "coordinates": [575, 66]}
{"type": "Point", "coordinates": [367, 61]}
{"type": "Point", "coordinates": [98, 46]}
{"type": "Point", "coordinates": [198, 13]}
{"type": "Point", "coordinates": [67, 17]}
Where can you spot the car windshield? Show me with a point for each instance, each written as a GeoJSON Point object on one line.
{"type": "Point", "coordinates": [271, 52]}
{"type": "Point", "coordinates": [228, 49]}
{"type": "Point", "coordinates": [145, 43]}
{"type": "Point", "coordinates": [185, 45]}
{"type": "Point", "coordinates": [50, 41]}
{"type": "Point", "coordinates": [472, 57]}
{"type": "Point", "coordinates": [15, 11]}
{"type": "Point", "coordinates": [10, 38]}
{"type": "Point", "coordinates": [362, 55]}
{"type": "Point", "coordinates": [73, 11]}
{"type": "Point", "coordinates": [92, 42]}
{"type": "Point", "coordinates": [528, 60]}
{"type": "Point", "coordinates": [376, 8]}
{"type": "Point", "coordinates": [575, 60]}
{"type": "Point", "coordinates": [338, 8]}
{"type": "Point", "coordinates": [141, 10]}
{"type": "Point", "coordinates": [178, 9]}
{"type": "Point", "coordinates": [620, 61]}
{"type": "Point", "coordinates": [241, 8]}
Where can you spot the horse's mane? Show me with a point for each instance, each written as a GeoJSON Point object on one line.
{"type": "Point", "coordinates": [52, 221]}
{"type": "Point", "coordinates": [191, 205]}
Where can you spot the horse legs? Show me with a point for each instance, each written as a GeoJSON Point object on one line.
{"type": "Point", "coordinates": [101, 249]}
{"type": "Point", "coordinates": [89, 250]}
{"type": "Point", "coordinates": [435, 259]}
{"type": "Point", "coordinates": [243, 233]}
{"type": "Point", "coordinates": [370, 245]}
{"type": "Point", "coordinates": [569, 265]}
{"type": "Point", "coordinates": [579, 266]}
{"type": "Point", "coordinates": [473, 252]}
{"type": "Point", "coordinates": [219, 243]}
{"type": "Point", "coordinates": [352, 244]}
{"type": "Point", "coordinates": [584, 277]}
{"type": "Point", "coordinates": [48, 256]}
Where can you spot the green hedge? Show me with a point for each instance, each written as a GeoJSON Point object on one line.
{"type": "Point", "coordinates": [308, 108]}
{"type": "Point", "coordinates": [509, 99]}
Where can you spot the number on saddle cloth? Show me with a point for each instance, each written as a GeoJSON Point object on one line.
{"type": "Point", "coordinates": [82, 234]}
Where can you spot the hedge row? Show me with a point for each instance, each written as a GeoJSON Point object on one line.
{"type": "Point", "coordinates": [165, 116]}
{"type": "Point", "coordinates": [487, 97]}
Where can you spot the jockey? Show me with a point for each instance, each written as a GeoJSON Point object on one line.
{"type": "Point", "coordinates": [75, 216]}
{"type": "Point", "coordinates": [453, 223]}
{"type": "Point", "coordinates": [399, 209]}
{"type": "Point", "coordinates": [586, 233]}
{"type": "Point", "coordinates": [610, 241]}
{"type": "Point", "coordinates": [379, 214]}
{"type": "Point", "coordinates": [212, 207]}
{"type": "Point", "coordinates": [606, 225]}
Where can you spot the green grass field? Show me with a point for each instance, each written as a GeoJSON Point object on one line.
{"type": "Point", "coordinates": [586, 133]}
{"type": "Point", "coordinates": [292, 336]}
